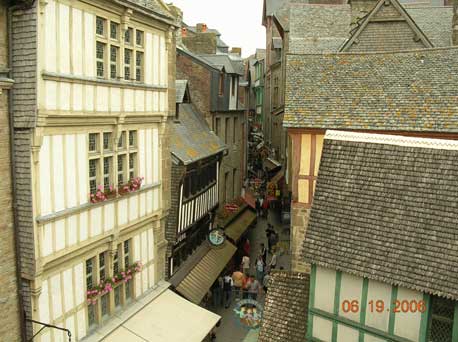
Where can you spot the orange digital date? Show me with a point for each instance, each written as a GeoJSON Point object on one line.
{"type": "Point", "coordinates": [379, 306]}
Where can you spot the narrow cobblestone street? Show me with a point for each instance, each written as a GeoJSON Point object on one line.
{"type": "Point", "coordinates": [230, 329]}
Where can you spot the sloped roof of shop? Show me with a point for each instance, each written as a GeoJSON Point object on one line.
{"type": "Point", "coordinates": [231, 65]}
{"type": "Point", "coordinates": [192, 139]}
{"type": "Point", "coordinates": [386, 208]}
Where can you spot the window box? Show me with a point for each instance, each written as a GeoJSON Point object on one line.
{"type": "Point", "coordinates": [102, 195]}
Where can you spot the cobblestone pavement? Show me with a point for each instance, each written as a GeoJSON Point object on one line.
{"type": "Point", "coordinates": [230, 329]}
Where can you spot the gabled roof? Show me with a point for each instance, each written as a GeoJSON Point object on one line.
{"type": "Point", "coordinates": [183, 50]}
{"type": "Point", "coordinates": [318, 28]}
{"type": "Point", "coordinates": [386, 208]}
{"type": "Point", "coordinates": [192, 139]}
{"type": "Point", "coordinates": [388, 27]}
{"type": "Point", "coordinates": [435, 22]}
{"type": "Point", "coordinates": [402, 91]}
{"type": "Point", "coordinates": [230, 64]}
{"type": "Point", "coordinates": [285, 308]}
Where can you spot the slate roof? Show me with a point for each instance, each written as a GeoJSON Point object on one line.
{"type": "Point", "coordinates": [231, 65]}
{"type": "Point", "coordinates": [180, 86]}
{"type": "Point", "coordinates": [404, 91]}
{"type": "Point", "coordinates": [285, 308]}
{"type": "Point", "coordinates": [153, 5]}
{"type": "Point", "coordinates": [318, 28]}
{"type": "Point", "coordinates": [435, 22]}
{"type": "Point", "coordinates": [386, 208]}
{"type": "Point", "coordinates": [192, 139]}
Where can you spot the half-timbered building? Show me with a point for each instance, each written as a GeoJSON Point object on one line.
{"type": "Point", "coordinates": [382, 240]}
{"type": "Point", "coordinates": [363, 87]}
{"type": "Point", "coordinates": [90, 110]}
{"type": "Point", "coordinates": [196, 160]}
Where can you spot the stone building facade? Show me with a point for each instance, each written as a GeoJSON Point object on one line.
{"type": "Point", "coordinates": [90, 115]}
{"type": "Point", "coordinates": [213, 80]}
{"type": "Point", "coordinates": [11, 327]}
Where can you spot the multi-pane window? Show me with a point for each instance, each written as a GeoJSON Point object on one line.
{"type": "Point", "coordinates": [132, 159]}
{"type": "Point", "coordinates": [93, 142]}
{"type": "Point", "coordinates": [114, 30]}
{"type": "Point", "coordinates": [138, 66]}
{"type": "Point", "coordinates": [97, 271]}
{"type": "Point", "coordinates": [93, 171]}
{"type": "Point", "coordinates": [114, 53]}
{"type": "Point", "coordinates": [127, 64]}
{"type": "Point", "coordinates": [441, 325]}
{"type": "Point", "coordinates": [100, 24]}
{"type": "Point", "coordinates": [139, 38]}
{"type": "Point", "coordinates": [107, 143]}
{"type": "Point", "coordinates": [132, 138]}
{"type": "Point", "coordinates": [122, 141]}
{"type": "Point", "coordinates": [107, 167]}
{"type": "Point", "coordinates": [90, 283]}
{"type": "Point", "coordinates": [113, 59]}
{"type": "Point", "coordinates": [128, 35]}
{"type": "Point", "coordinates": [100, 59]}
{"type": "Point", "coordinates": [121, 161]}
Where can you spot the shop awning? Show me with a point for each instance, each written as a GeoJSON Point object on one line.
{"type": "Point", "coordinates": [199, 280]}
{"type": "Point", "coordinates": [168, 318]}
{"type": "Point", "coordinates": [240, 225]}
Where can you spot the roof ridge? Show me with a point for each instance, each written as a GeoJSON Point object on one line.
{"type": "Point", "coordinates": [397, 140]}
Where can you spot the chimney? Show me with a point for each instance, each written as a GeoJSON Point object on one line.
{"type": "Point", "coordinates": [238, 51]}
{"type": "Point", "coordinates": [184, 32]}
{"type": "Point", "coordinates": [455, 23]}
{"type": "Point", "coordinates": [201, 28]}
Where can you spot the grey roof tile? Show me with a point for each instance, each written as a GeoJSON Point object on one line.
{"type": "Point", "coordinates": [285, 308]}
{"type": "Point", "coordinates": [407, 91]}
{"type": "Point", "coordinates": [389, 212]}
{"type": "Point", "coordinates": [153, 5]}
{"type": "Point", "coordinates": [192, 139]}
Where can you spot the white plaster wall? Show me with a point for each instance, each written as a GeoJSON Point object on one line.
{"type": "Point", "coordinates": [407, 324]}
{"type": "Point", "coordinates": [233, 98]}
{"type": "Point", "coordinates": [325, 289]}
{"type": "Point", "coordinates": [370, 338]}
{"type": "Point", "coordinates": [62, 301]}
{"type": "Point", "coordinates": [350, 289]}
{"type": "Point", "coordinates": [144, 252]}
{"type": "Point", "coordinates": [322, 328]}
{"type": "Point", "coordinates": [378, 291]}
{"type": "Point", "coordinates": [347, 334]}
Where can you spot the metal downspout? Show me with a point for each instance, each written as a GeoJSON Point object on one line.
{"type": "Point", "coordinates": [13, 175]}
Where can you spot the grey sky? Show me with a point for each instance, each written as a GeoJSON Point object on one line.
{"type": "Point", "coordinates": [238, 21]}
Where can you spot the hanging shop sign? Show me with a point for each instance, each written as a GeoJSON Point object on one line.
{"type": "Point", "coordinates": [216, 237]}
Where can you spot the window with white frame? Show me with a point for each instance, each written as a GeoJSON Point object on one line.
{"type": "Point", "coordinates": [103, 172]}
{"type": "Point", "coordinates": [119, 55]}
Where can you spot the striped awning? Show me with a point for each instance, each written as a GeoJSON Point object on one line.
{"type": "Point", "coordinates": [199, 280]}
{"type": "Point", "coordinates": [235, 230]}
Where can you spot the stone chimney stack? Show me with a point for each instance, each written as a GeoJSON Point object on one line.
{"type": "Point", "coordinates": [201, 28]}
{"type": "Point", "coordinates": [455, 23]}
{"type": "Point", "coordinates": [236, 51]}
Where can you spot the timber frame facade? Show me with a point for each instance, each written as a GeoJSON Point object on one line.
{"type": "Point", "coordinates": [90, 115]}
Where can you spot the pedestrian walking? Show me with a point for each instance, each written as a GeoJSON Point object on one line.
{"type": "Point", "coordinates": [227, 288]}
{"type": "Point", "coordinates": [273, 261]}
{"type": "Point", "coordinates": [247, 247]}
{"type": "Point", "coordinates": [259, 268]}
{"type": "Point", "coordinates": [246, 264]}
{"type": "Point", "coordinates": [273, 238]}
{"type": "Point", "coordinates": [265, 208]}
{"type": "Point", "coordinates": [265, 282]}
{"type": "Point", "coordinates": [261, 203]}
{"type": "Point", "coordinates": [258, 207]}
{"type": "Point", "coordinates": [269, 232]}
{"type": "Point", "coordinates": [217, 292]}
{"type": "Point", "coordinates": [238, 280]}
{"type": "Point", "coordinates": [253, 288]}
{"type": "Point", "coordinates": [264, 253]}
{"type": "Point", "coordinates": [246, 286]}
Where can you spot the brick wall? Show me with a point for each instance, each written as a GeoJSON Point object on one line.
{"type": "Point", "coordinates": [199, 81]}
{"type": "Point", "coordinates": [299, 222]}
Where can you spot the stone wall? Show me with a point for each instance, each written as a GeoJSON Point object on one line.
{"type": "Point", "coordinates": [299, 221]}
{"type": "Point", "coordinates": [199, 81]}
{"type": "Point", "coordinates": [10, 329]}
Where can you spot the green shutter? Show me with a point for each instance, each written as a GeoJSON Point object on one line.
{"type": "Point", "coordinates": [362, 316]}
{"type": "Point", "coordinates": [394, 297]}
{"type": "Point", "coordinates": [455, 323]}
{"type": "Point", "coordinates": [425, 318]}
{"type": "Point", "coordinates": [336, 304]}
{"type": "Point", "coordinates": [311, 302]}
